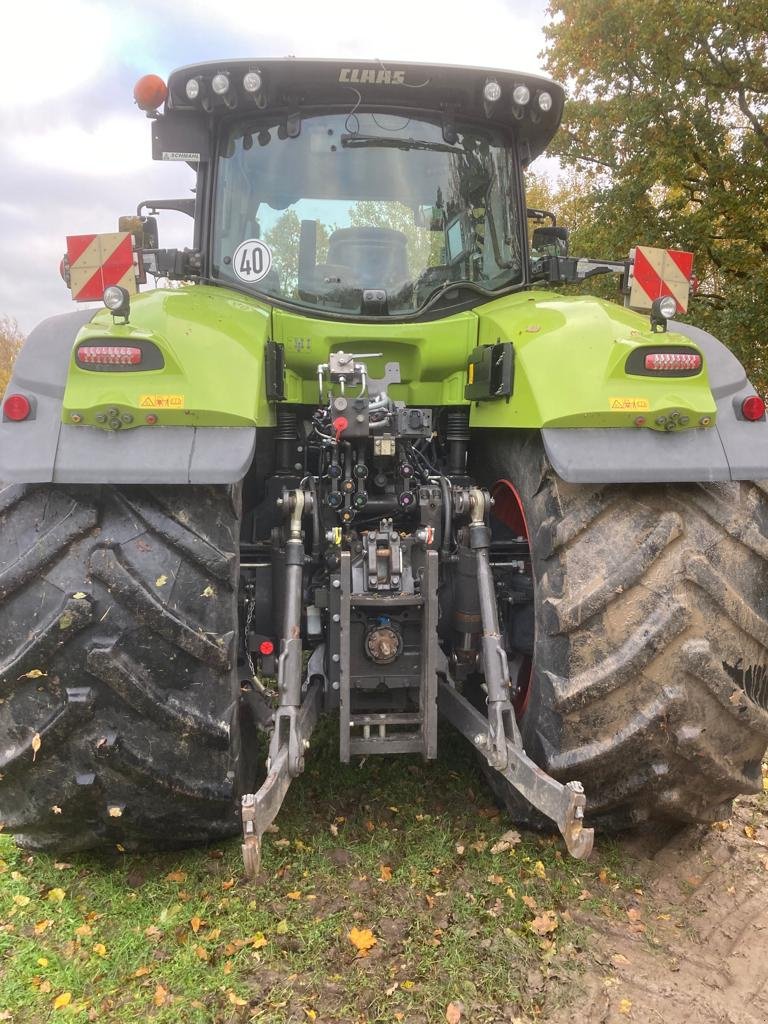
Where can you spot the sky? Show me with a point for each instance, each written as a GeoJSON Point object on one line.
{"type": "Point", "coordinates": [75, 151]}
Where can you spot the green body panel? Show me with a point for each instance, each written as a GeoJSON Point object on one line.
{"type": "Point", "coordinates": [212, 342]}
{"type": "Point", "coordinates": [570, 355]}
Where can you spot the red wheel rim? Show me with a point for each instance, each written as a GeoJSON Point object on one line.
{"type": "Point", "coordinates": [508, 509]}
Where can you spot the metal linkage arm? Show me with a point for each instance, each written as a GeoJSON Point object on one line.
{"type": "Point", "coordinates": [497, 736]}
{"type": "Point", "coordinates": [564, 804]}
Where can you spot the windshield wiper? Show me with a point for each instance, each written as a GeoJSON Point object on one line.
{"type": "Point", "coordinates": [356, 141]}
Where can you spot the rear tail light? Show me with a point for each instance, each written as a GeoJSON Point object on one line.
{"type": "Point", "coordinates": [266, 647]}
{"type": "Point", "coordinates": [661, 361]}
{"type": "Point", "coordinates": [17, 407]}
{"type": "Point", "coordinates": [753, 408]}
{"type": "Point", "coordinates": [108, 355]}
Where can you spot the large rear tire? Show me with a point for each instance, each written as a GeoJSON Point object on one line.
{"type": "Point", "coordinates": [118, 684]}
{"type": "Point", "coordinates": [650, 675]}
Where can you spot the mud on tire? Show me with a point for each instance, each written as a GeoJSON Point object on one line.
{"type": "Point", "coordinates": [118, 624]}
{"type": "Point", "coordinates": [650, 680]}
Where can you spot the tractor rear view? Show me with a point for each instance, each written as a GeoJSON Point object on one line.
{"type": "Point", "coordinates": [363, 460]}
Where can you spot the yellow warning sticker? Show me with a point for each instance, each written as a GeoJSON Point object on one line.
{"type": "Point", "coordinates": [629, 404]}
{"type": "Point", "coordinates": [161, 402]}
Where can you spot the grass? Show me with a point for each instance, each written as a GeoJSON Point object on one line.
{"type": "Point", "coordinates": [394, 846]}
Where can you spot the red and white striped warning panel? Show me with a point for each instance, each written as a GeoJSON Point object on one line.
{"type": "Point", "coordinates": [97, 261]}
{"type": "Point", "coordinates": [659, 272]}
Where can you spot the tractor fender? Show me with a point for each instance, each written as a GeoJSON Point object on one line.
{"type": "Point", "coordinates": [43, 449]}
{"type": "Point", "coordinates": [732, 449]}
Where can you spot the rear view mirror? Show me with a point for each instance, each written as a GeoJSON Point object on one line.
{"type": "Point", "coordinates": [143, 229]}
{"type": "Point", "coordinates": [550, 241]}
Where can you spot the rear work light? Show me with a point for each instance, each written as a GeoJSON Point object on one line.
{"type": "Point", "coordinates": [108, 355]}
{"type": "Point", "coordinates": [661, 361]}
{"type": "Point", "coordinates": [753, 408]}
{"type": "Point", "coordinates": [17, 408]}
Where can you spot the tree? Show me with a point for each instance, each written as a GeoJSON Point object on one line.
{"type": "Point", "coordinates": [422, 245]}
{"type": "Point", "coordinates": [11, 340]}
{"type": "Point", "coordinates": [283, 239]}
{"type": "Point", "coordinates": [668, 124]}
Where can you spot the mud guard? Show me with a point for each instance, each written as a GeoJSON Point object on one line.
{"type": "Point", "coordinates": [42, 449]}
{"type": "Point", "coordinates": [733, 449]}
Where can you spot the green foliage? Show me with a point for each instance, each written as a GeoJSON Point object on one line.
{"type": "Point", "coordinates": [283, 240]}
{"type": "Point", "coordinates": [11, 340]}
{"type": "Point", "coordinates": [667, 130]}
{"type": "Point", "coordinates": [424, 247]}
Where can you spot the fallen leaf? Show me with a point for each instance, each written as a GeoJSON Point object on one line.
{"type": "Point", "coordinates": [545, 923]}
{"type": "Point", "coordinates": [36, 744]}
{"type": "Point", "coordinates": [43, 926]}
{"type": "Point", "coordinates": [194, 924]}
{"type": "Point", "coordinates": [202, 953]}
{"type": "Point", "coordinates": [99, 949]}
{"type": "Point", "coordinates": [79, 596]}
{"type": "Point", "coordinates": [83, 930]}
{"type": "Point", "coordinates": [61, 865]}
{"type": "Point", "coordinates": [42, 961]}
{"type": "Point", "coordinates": [295, 895]}
{"type": "Point", "coordinates": [141, 972]}
{"type": "Point", "coordinates": [161, 995]}
{"type": "Point", "coordinates": [453, 1013]}
{"type": "Point", "coordinates": [56, 895]}
{"type": "Point", "coordinates": [506, 842]}
{"type": "Point", "coordinates": [750, 832]}
{"type": "Point", "coordinates": [460, 849]}
{"type": "Point", "coordinates": [619, 960]}
{"type": "Point", "coordinates": [362, 939]}
{"type": "Point", "coordinates": [530, 902]}
{"type": "Point", "coordinates": [34, 673]}
{"type": "Point", "coordinates": [539, 870]}
{"type": "Point", "coordinates": [480, 846]}
{"type": "Point", "coordinates": [385, 875]}
{"type": "Point", "coordinates": [56, 809]}
{"type": "Point", "coordinates": [115, 811]}
{"type": "Point", "coordinates": [625, 1006]}
{"type": "Point", "coordinates": [259, 940]}
{"type": "Point", "coordinates": [235, 999]}
{"type": "Point", "coordinates": [229, 884]}
{"type": "Point", "coordinates": [208, 592]}
{"type": "Point", "coordinates": [176, 876]}
{"type": "Point", "coordinates": [721, 826]}
{"type": "Point", "coordinates": [407, 985]}
{"type": "Point", "coordinates": [63, 1000]}
{"type": "Point", "coordinates": [20, 900]}
{"type": "Point", "coordinates": [634, 914]}
{"type": "Point", "coordinates": [495, 879]}
{"type": "Point", "coordinates": [282, 927]}
{"type": "Point", "coordinates": [282, 843]}
{"type": "Point", "coordinates": [161, 581]}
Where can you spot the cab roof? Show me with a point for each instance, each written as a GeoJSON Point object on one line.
{"type": "Point", "coordinates": [290, 84]}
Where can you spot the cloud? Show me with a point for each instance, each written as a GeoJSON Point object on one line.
{"type": "Point", "coordinates": [51, 49]}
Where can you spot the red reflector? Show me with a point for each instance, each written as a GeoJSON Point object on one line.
{"type": "Point", "coordinates": [266, 647]}
{"type": "Point", "coordinates": [673, 361]}
{"type": "Point", "coordinates": [108, 355]}
{"type": "Point", "coordinates": [16, 407]}
{"type": "Point", "coordinates": [753, 408]}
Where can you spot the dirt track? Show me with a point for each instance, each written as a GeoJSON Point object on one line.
{"type": "Point", "coordinates": [695, 943]}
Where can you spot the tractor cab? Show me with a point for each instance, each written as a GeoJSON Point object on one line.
{"type": "Point", "coordinates": [359, 191]}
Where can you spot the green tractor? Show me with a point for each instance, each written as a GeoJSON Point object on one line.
{"type": "Point", "coordinates": [360, 458]}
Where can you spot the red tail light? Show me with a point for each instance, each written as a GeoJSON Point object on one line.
{"type": "Point", "coordinates": [108, 355]}
{"type": "Point", "coordinates": [753, 408]}
{"type": "Point", "coordinates": [673, 361]}
{"type": "Point", "coordinates": [17, 407]}
{"type": "Point", "coordinates": [266, 647]}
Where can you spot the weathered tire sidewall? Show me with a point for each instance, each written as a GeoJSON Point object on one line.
{"type": "Point", "coordinates": [639, 690]}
